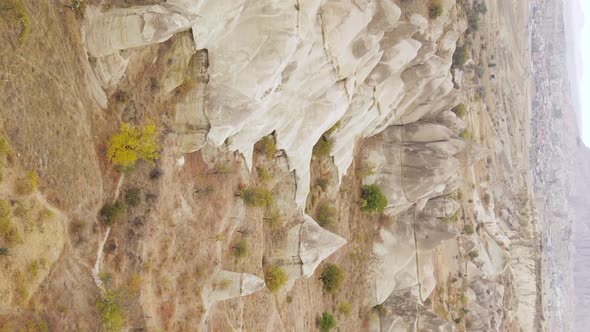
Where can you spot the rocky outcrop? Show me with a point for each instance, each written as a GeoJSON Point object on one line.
{"type": "Point", "coordinates": [124, 28]}
{"type": "Point", "coordinates": [228, 285]}
{"type": "Point", "coordinates": [403, 256]}
{"type": "Point", "coordinates": [401, 312]}
{"type": "Point", "coordinates": [486, 307]}
{"type": "Point", "coordinates": [307, 246]}
{"type": "Point", "coordinates": [419, 161]}
{"type": "Point", "coordinates": [301, 69]}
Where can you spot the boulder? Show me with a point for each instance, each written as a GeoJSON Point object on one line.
{"type": "Point", "coordinates": [229, 284]}
{"type": "Point", "coordinates": [124, 28]}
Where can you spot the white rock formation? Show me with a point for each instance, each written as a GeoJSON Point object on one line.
{"type": "Point", "coordinates": [402, 313]}
{"type": "Point", "coordinates": [418, 161]}
{"type": "Point", "coordinates": [308, 245]}
{"type": "Point", "coordinates": [123, 28]}
{"type": "Point", "coordinates": [296, 70]}
{"type": "Point", "coordinates": [228, 285]}
{"type": "Point", "coordinates": [403, 257]}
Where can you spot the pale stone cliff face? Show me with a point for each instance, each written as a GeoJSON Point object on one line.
{"type": "Point", "coordinates": [299, 69]}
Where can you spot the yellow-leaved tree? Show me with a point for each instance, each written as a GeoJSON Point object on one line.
{"type": "Point", "coordinates": [133, 143]}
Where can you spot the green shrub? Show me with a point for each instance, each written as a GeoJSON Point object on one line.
{"type": "Point", "coordinates": [267, 146]}
{"type": "Point", "coordinates": [4, 148]}
{"type": "Point", "coordinates": [473, 254]}
{"type": "Point", "coordinates": [27, 185]}
{"type": "Point", "coordinates": [241, 249]}
{"type": "Point", "coordinates": [33, 269]}
{"type": "Point", "coordinates": [111, 311]}
{"type": "Point", "coordinates": [454, 218]}
{"type": "Point", "coordinates": [112, 212]}
{"type": "Point", "coordinates": [275, 277]}
{"type": "Point", "coordinates": [264, 174]}
{"type": "Point", "coordinates": [15, 11]}
{"type": "Point", "coordinates": [323, 183]}
{"type": "Point", "coordinates": [468, 229]}
{"type": "Point", "coordinates": [133, 197]}
{"type": "Point", "coordinates": [472, 21]}
{"type": "Point", "coordinates": [326, 322]}
{"type": "Point", "coordinates": [461, 55]}
{"type": "Point", "coordinates": [325, 215]}
{"type": "Point", "coordinates": [435, 9]}
{"type": "Point", "coordinates": [3, 251]}
{"type": "Point", "coordinates": [8, 230]}
{"type": "Point", "coordinates": [345, 308]}
{"type": "Point", "coordinates": [275, 219]}
{"type": "Point", "coordinates": [332, 278]}
{"type": "Point", "coordinates": [373, 199]}
{"type": "Point", "coordinates": [256, 196]}
{"type": "Point", "coordinates": [465, 134]}
{"type": "Point", "coordinates": [481, 7]}
{"type": "Point", "coordinates": [133, 143]}
{"type": "Point", "coordinates": [333, 128]}
{"type": "Point", "coordinates": [223, 168]}
{"type": "Point", "coordinates": [460, 110]}
{"type": "Point", "coordinates": [487, 199]}
{"type": "Point", "coordinates": [323, 147]}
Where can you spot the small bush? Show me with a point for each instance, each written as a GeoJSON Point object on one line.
{"type": "Point", "coordinates": [134, 283]}
{"type": "Point", "coordinates": [133, 143]}
{"type": "Point", "coordinates": [275, 277]}
{"type": "Point", "coordinates": [267, 146]}
{"type": "Point", "coordinates": [461, 55]}
{"type": "Point", "coordinates": [275, 219]}
{"type": "Point", "coordinates": [264, 174]}
{"type": "Point", "coordinates": [111, 311]}
{"type": "Point", "coordinates": [155, 173]}
{"type": "Point", "coordinates": [332, 278]}
{"type": "Point", "coordinates": [16, 11]}
{"type": "Point", "coordinates": [345, 308]}
{"type": "Point", "coordinates": [435, 9]}
{"type": "Point", "coordinates": [472, 21]}
{"type": "Point", "coordinates": [240, 249]}
{"type": "Point", "coordinates": [454, 218]}
{"type": "Point", "coordinates": [327, 322]}
{"type": "Point", "coordinates": [325, 215]}
{"type": "Point", "coordinates": [323, 183]}
{"type": "Point", "coordinates": [481, 7]}
{"type": "Point", "coordinates": [460, 110]}
{"type": "Point", "coordinates": [323, 147]}
{"type": "Point", "coordinates": [487, 199]}
{"type": "Point", "coordinates": [468, 229]}
{"type": "Point", "coordinates": [112, 212]}
{"type": "Point", "coordinates": [373, 199]}
{"type": "Point", "coordinates": [133, 197]}
{"type": "Point", "coordinates": [256, 197]}
{"type": "Point", "coordinates": [8, 230]}
{"type": "Point", "coordinates": [473, 254]}
{"type": "Point", "coordinates": [333, 129]}
{"type": "Point", "coordinates": [465, 134]}
{"type": "Point", "coordinates": [4, 251]}
{"type": "Point", "coordinates": [27, 185]}
{"type": "Point", "coordinates": [33, 270]}
{"type": "Point", "coordinates": [223, 168]}
{"type": "Point", "coordinates": [4, 148]}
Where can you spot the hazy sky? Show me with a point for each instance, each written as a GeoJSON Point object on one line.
{"type": "Point", "coordinates": [585, 85]}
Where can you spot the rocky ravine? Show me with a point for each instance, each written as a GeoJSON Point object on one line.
{"type": "Point", "coordinates": [372, 77]}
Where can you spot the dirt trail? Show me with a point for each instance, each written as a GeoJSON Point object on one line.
{"type": "Point", "coordinates": [96, 269]}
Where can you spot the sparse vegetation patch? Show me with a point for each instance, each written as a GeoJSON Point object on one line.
{"type": "Point", "coordinates": [372, 199]}
{"type": "Point", "coordinates": [275, 277]}
{"type": "Point", "coordinates": [133, 143]}
{"type": "Point", "coordinates": [332, 278]}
